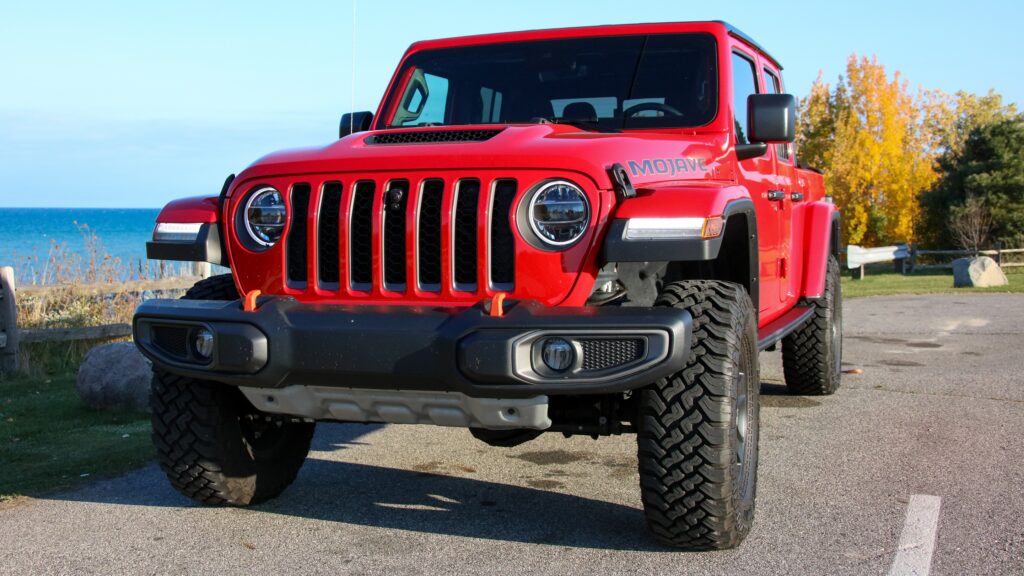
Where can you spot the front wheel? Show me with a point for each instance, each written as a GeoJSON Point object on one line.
{"type": "Point", "coordinates": [214, 446]}
{"type": "Point", "coordinates": [697, 430]}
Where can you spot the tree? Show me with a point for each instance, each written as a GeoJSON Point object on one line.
{"type": "Point", "coordinates": [962, 113]}
{"type": "Point", "coordinates": [876, 146]}
{"type": "Point", "coordinates": [958, 118]}
{"type": "Point", "coordinates": [989, 168]}
{"type": "Point", "coordinates": [970, 224]}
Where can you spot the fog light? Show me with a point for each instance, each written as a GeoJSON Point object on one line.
{"type": "Point", "coordinates": [558, 354]}
{"type": "Point", "coordinates": [203, 343]}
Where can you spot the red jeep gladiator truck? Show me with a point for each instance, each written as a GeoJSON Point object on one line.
{"type": "Point", "coordinates": [587, 231]}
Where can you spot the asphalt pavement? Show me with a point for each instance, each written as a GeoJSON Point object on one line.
{"type": "Point", "coordinates": [920, 455]}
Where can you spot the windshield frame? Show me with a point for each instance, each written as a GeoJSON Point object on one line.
{"type": "Point", "coordinates": [389, 105]}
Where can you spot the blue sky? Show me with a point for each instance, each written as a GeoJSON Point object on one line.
{"type": "Point", "coordinates": [132, 104]}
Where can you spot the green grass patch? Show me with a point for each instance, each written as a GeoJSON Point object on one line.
{"type": "Point", "coordinates": [879, 281]}
{"type": "Point", "coordinates": [49, 440]}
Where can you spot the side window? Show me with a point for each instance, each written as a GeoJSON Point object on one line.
{"type": "Point", "coordinates": [744, 83]}
{"type": "Point", "coordinates": [490, 105]}
{"type": "Point", "coordinates": [774, 86]}
{"type": "Point", "coordinates": [424, 102]}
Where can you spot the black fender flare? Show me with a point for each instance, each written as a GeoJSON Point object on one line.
{"type": "Point", "coordinates": [617, 248]}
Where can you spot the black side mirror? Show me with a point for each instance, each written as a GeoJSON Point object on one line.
{"type": "Point", "coordinates": [354, 122]}
{"type": "Point", "coordinates": [771, 118]}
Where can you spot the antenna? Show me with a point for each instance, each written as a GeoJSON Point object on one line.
{"type": "Point", "coordinates": [352, 107]}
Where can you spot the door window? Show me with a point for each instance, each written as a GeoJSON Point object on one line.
{"type": "Point", "coordinates": [744, 83]}
{"type": "Point", "coordinates": [774, 86]}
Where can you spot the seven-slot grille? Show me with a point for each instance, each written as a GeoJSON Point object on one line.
{"type": "Point", "coordinates": [431, 234]}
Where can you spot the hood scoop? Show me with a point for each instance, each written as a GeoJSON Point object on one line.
{"type": "Point", "coordinates": [430, 136]}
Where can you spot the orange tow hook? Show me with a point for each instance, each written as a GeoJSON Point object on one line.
{"type": "Point", "coordinates": [498, 305]}
{"type": "Point", "coordinates": [250, 301]}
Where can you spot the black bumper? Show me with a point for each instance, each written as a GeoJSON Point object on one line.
{"type": "Point", "coordinates": [284, 342]}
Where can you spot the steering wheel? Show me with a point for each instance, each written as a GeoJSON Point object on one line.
{"type": "Point", "coordinates": [647, 106]}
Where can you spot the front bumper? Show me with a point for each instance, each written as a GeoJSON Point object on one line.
{"type": "Point", "coordinates": [285, 343]}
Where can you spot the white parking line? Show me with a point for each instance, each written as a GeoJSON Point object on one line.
{"type": "Point", "coordinates": [917, 541]}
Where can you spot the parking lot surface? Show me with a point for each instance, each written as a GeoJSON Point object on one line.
{"type": "Point", "coordinates": [931, 429]}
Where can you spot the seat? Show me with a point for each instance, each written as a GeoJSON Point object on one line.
{"type": "Point", "coordinates": [580, 111]}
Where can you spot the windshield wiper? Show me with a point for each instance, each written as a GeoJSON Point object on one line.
{"type": "Point", "coordinates": [588, 125]}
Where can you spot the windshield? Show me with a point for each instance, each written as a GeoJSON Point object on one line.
{"type": "Point", "coordinates": [657, 81]}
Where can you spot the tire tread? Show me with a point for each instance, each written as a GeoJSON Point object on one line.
{"type": "Point", "coordinates": [684, 428]}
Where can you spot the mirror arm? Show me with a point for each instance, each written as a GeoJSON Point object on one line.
{"type": "Point", "coordinates": [753, 150]}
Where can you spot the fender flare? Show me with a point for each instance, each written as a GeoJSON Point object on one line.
{"type": "Point", "coordinates": [207, 246]}
{"type": "Point", "coordinates": [822, 238]}
{"type": "Point", "coordinates": [617, 248]}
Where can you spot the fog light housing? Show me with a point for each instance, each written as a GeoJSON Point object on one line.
{"type": "Point", "coordinates": [202, 343]}
{"type": "Point", "coordinates": [557, 354]}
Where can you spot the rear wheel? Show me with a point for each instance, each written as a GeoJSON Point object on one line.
{"type": "Point", "coordinates": [697, 430]}
{"type": "Point", "coordinates": [812, 356]}
{"type": "Point", "coordinates": [214, 446]}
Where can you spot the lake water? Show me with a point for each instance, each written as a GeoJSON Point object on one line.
{"type": "Point", "coordinates": [29, 235]}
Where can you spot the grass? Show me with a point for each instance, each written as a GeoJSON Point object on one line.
{"type": "Point", "coordinates": [885, 282]}
{"type": "Point", "coordinates": [71, 302]}
{"type": "Point", "coordinates": [49, 440]}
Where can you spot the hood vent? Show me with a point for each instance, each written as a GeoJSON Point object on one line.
{"type": "Point", "coordinates": [431, 136]}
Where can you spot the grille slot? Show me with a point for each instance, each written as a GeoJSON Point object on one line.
{"type": "Point", "coordinates": [395, 199]}
{"type": "Point", "coordinates": [428, 244]}
{"type": "Point", "coordinates": [467, 198]}
{"type": "Point", "coordinates": [329, 233]}
{"type": "Point", "coordinates": [605, 353]}
{"type": "Point", "coordinates": [503, 246]}
{"type": "Point", "coordinates": [431, 136]}
{"type": "Point", "coordinates": [452, 237]}
{"type": "Point", "coordinates": [361, 236]}
{"type": "Point", "coordinates": [297, 236]}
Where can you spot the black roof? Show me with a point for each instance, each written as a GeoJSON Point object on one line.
{"type": "Point", "coordinates": [742, 36]}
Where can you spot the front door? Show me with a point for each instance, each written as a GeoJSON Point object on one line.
{"type": "Point", "coordinates": [759, 177]}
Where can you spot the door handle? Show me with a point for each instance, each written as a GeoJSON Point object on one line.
{"type": "Point", "coordinates": [796, 197]}
{"type": "Point", "coordinates": [776, 195]}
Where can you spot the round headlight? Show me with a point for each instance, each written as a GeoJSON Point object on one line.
{"type": "Point", "coordinates": [265, 216]}
{"type": "Point", "coordinates": [559, 213]}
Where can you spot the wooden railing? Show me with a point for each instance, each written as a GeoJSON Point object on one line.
{"type": "Point", "coordinates": [11, 336]}
{"type": "Point", "coordinates": [997, 255]}
{"type": "Point", "coordinates": [906, 259]}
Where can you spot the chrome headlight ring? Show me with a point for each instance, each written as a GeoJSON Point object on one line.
{"type": "Point", "coordinates": [264, 216]}
{"type": "Point", "coordinates": [557, 213]}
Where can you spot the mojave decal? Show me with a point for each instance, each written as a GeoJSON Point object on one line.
{"type": "Point", "coordinates": [670, 166]}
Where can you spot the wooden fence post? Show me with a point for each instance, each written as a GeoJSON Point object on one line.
{"type": "Point", "coordinates": [899, 265]}
{"type": "Point", "coordinates": [202, 269]}
{"type": "Point", "coordinates": [8, 322]}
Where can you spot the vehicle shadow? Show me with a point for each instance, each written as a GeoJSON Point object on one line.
{"type": "Point", "coordinates": [426, 502]}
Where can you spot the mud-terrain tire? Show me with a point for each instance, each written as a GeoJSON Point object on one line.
{"type": "Point", "coordinates": [812, 355]}
{"type": "Point", "coordinates": [697, 430]}
{"type": "Point", "coordinates": [213, 445]}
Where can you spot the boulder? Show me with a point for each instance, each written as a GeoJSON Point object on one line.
{"type": "Point", "coordinates": [979, 272]}
{"type": "Point", "coordinates": [115, 377]}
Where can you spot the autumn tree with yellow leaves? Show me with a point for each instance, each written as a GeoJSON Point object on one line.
{"type": "Point", "coordinates": [877, 145]}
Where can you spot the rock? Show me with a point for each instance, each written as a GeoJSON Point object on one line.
{"type": "Point", "coordinates": [979, 272]}
{"type": "Point", "coordinates": [115, 377]}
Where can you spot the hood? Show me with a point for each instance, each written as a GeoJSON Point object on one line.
{"type": "Point", "coordinates": [649, 157]}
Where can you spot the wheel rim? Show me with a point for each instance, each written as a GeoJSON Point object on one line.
{"type": "Point", "coordinates": [741, 430]}
{"type": "Point", "coordinates": [837, 336]}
